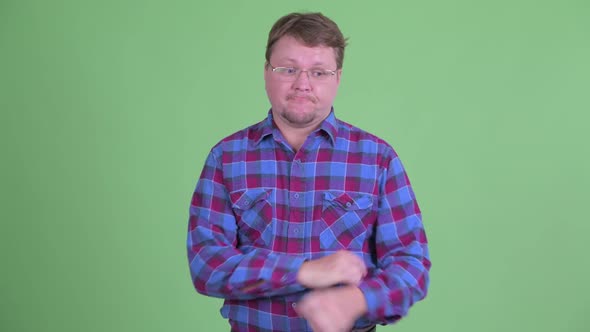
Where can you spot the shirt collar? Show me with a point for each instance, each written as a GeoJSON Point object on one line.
{"type": "Point", "coordinates": [268, 126]}
{"type": "Point", "coordinates": [330, 126]}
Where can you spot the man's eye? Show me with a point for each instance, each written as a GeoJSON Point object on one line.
{"type": "Point", "coordinates": [291, 70]}
{"type": "Point", "coordinates": [317, 73]}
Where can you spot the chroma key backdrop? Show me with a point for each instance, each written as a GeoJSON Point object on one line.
{"type": "Point", "coordinates": [109, 108]}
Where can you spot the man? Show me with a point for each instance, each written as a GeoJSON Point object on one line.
{"type": "Point", "coordinates": [303, 222]}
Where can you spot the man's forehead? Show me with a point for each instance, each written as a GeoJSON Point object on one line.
{"type": "Point", "coordinates": [319, 54]}
{"type": "Point", "coordinates": [302, 42]}
{"type": "Point", "coordinates": [294, 60]}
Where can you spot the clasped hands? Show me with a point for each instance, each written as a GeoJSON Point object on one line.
{"type": "Point", "coordinates": [327, 308]}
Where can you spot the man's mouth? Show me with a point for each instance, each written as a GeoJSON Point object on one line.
{"type": "Point", "coordinates": [301, 98]}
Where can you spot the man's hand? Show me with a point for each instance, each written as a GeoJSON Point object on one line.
{"type": "Point", "coordinates": [342, 267]}
{"type": "Point", "coordinates": [332, 309]}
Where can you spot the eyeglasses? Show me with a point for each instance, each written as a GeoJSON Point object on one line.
{"type": "Point", "coordinates": [291, 74]}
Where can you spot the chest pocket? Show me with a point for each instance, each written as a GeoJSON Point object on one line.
{"type": "Point", "coordinates": [346, 220]}
{"type": "Point", "coordinates": [254, 215]}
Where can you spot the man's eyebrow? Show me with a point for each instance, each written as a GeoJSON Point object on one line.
{"type": "Point", "coordinates": [293, 61]}
{"type": "Point", "coordinates": [319, 63]}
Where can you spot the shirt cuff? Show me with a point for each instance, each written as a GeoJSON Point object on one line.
{"type": "Point", "coordinates": [371, 289]}
{"type": "Point", "coordinates": [377, 302]}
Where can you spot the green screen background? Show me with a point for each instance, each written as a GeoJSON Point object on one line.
{"type": "Point", "coordinates": [109, 108]}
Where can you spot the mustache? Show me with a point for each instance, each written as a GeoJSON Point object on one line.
{"type": "Point", "coordinates": [308, 97]}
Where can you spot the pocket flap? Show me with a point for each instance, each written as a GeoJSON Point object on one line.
{"type": "Point", "coordinates": [349, 202]}
{"type": "Point", "coordinates": [244, 199]}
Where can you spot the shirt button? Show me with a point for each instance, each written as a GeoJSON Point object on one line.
{"type": "Point", "coordinates": [348, 204]}
{"type": "Point", "coordinates": [294, 304]}
{"type": "Point", "coordinates": [296, 231]}
{"type": "Point", "coordinates": [296, 195]}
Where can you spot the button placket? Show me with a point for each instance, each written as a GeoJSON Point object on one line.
{"type": "Point", "coordinates": [297, 190]}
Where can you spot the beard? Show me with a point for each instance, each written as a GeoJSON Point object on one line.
{"type": "Point", "coordinates": [300, 117]}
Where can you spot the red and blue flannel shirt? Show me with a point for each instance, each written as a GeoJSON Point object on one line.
{"type": "Point", "coordinates": [260, 209]}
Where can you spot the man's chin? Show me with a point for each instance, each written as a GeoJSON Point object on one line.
{"type": "Point", "coordinates": [299, 118]}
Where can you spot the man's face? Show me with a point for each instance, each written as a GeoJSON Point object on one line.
{"type": "Point", "coordinates": [301, 102]}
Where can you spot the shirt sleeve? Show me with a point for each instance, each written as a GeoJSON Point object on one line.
{"type": "Point", "coordinates": [402, 274]}
{"type": "Point", "coordinates": [218, 267]}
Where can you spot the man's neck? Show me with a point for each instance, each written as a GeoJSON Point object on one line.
{"type": "Point", "coordinates": [296, 136]}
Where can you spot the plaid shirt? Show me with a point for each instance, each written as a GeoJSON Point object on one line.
{"type": "Point", "coordinates": [260, 210]}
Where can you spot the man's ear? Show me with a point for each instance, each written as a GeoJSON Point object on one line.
{"type": "Point", "coordinates": [265, 69]}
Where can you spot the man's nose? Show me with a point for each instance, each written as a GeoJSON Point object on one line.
{"type": "Point", "coordinates": [302, 81]}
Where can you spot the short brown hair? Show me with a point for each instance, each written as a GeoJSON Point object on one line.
{"type": "Point", "coordinates": [313, 29]}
